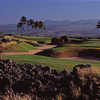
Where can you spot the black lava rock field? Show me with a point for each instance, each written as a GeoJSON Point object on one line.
{"type": "Point", "coordinates": [38, 82]}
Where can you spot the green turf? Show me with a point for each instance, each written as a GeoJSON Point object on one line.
{"type": "Point", "coordinates": [91, 44]}
{"type": "Point", "coordinates": [56, 63]}
{"type": "Point", "coordinates": [19, 47]}
{"type": "Point", "coordinates": [36, 38]}
{"type": "Point", "coordinates": [62, 48]}
{"type": "Point", "coordinates": [25, 46]}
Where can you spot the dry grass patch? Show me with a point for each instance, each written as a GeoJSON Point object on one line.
{"type": "Point", "coordinates": [17, 97]}
{"type": "Point", "coordinates": [96, 70]}
{"type": "Point", "coordinates": [88, 71]}
{"type": "Point", "coordinates": [3, 44]}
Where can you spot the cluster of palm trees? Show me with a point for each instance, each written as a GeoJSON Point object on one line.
{"type": "Point", "coordinates": [29, 23]}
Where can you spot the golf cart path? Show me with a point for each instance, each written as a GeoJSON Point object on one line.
{"type": "Point", "coordinates": [38, 49]}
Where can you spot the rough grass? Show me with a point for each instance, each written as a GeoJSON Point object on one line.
{"type": "Point", "coordinates": [18, 43]}
{"type": "Point", "coordinates": [56, 63]}
{"type": "Point", "coordinates": [19, 47]}
{"type": "Point", "coordinates": [17, 97]}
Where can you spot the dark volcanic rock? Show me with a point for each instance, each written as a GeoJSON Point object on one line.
{"type": "Point", "coordinates": [43, 83]}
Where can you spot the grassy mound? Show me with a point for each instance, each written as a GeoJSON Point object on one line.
{"type": "Point", "coordinates": [18, 47]}
{"type": "Point", "coordinates": [35, 38]}
{"type": "Point", "coordinates": [19, 43]}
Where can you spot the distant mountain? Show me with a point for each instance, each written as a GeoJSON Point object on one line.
{"type": "Point", "coordinates": [56, 28]}
{"type": "Point", "coordinates": [64, 22]}
{"type": "Point", "coordinates": [81, 27]}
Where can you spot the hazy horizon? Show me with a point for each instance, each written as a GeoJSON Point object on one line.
{"type": "Point", "coordinates": [12, 10]}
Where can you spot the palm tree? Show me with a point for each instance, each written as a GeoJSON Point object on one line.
{"type": "Point", "coordinates": [98, 24]}
{"type": "Point", "coordinates": [36, 24]}
{"type": "Point", "coordinates": [19, 26]}
{"type": "Point", "coordinates": [41, 25]}
{"type": "Point", "coordinates": [23, 20]}
{"type": "Point", "coordinates": [30, 22]}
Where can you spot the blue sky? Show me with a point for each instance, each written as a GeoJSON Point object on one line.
{"type": "Point", "coordinates": [12, 10]}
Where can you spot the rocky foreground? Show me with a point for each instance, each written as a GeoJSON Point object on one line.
{"type": "Point", "coordinates": [38, 82]}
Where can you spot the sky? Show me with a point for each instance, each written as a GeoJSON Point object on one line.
{"type": "Point", "coordinates": [12, 10]}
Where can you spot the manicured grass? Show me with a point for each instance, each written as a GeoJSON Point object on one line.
{"type": "Point", "coordinates": [91, 44]}
{"type": "Point", "coordinates": [62, 48]}
{"type": "Point", "coordinates": [36, 38]}
{"type": "Point", "coordinates": [25, 46]}
{"type": "Point", "coordinates": [19, 47]}
{"type": "Point", "coordinates": [56, 63]}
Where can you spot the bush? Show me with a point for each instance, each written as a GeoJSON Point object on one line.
{"type": "Point", "coordinates": [64, 39]}
{"type": "Point", "coordinates": [60, 41]}
{"type": "Point", "coordinates": [55, 40]}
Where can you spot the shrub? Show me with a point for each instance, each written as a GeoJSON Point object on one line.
{"type": "Point", "coordinates": [60, 41]}
{"type": "Point", "coordinates": [64, 39]}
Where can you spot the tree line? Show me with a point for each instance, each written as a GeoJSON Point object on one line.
{"type": "Point", "coordinates": [29, 24]}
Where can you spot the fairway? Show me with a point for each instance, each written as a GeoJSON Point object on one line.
{"type": "Point", "coordinates": [55, 63]}
{"type": "Point", "coordinates": [90, 44]}
{"type": "Point", "coordinates": [35, 38]}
